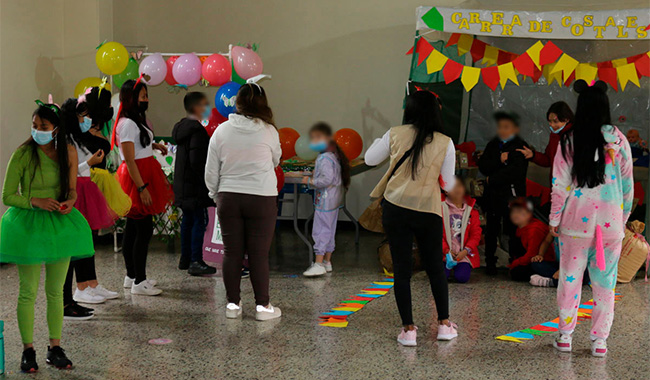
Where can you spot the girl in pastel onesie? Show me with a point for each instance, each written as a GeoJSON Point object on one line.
{"type": "Point", "coordinates": [330, 179]}
{"type": "Point", "coordinates": [591, 201]}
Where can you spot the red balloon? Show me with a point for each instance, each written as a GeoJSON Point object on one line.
{"type": "Point", "coordinates": [288, 137]}
{"type": "Point", "coordinates": [216, 70]}
{"type": "Point", "coordinates": [215, 120]}
{"type": "Point", "coordinates": [279, 174]}
{"type": "Point", "coordinates": [169, 78]}
{"type": "Point", "coordinates": [350, 142]}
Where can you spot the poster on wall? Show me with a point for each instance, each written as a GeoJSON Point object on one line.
{"type": "Point", "coordinates": [212, 240]}
{"type": "Point", "coordinates": [628, 24]}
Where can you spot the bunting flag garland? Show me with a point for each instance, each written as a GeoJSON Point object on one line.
{"type": "Point", "coordinates": [566, 64]}
{"type": "Point", "coordinates": [470, 77]}
{"type": "Point", "coordinates": [490, 76]}
{"type": "Point", "coordinates": [507, 73]}
{"type": "Point", "coordinates": [586, 72]}
{"type": "Point", "coordinates": [423, 48]}
{"type": "Point", "coordinates": [627, 73]}
{"type": "Point", "coordinates": [534, 53]}
{"type": "Point", "coordinates": [491, 55]}
{"type": "Point", "coordinates": [436, 61]}
{"type": "Point", "coordinates": [608, 75]}
{"type": "Point", "coordinates": [549, 53]}
{"type": "Point", "coordinates": [452, 71]}
{"type": "Point", "coordinates": [464, 43]}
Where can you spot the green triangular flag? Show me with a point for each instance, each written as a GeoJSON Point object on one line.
{"type": "Point", "coordinates": [434, 19]}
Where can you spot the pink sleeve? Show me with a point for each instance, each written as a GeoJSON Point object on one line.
{"type": "Point", "coordinates": [561, 186]}
{"type": "Point", "coordinates": [627, 172]}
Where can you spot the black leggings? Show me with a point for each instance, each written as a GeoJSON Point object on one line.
{"type": "Point", "coordinates": [135, 246]}
{"type": "Point", "coordinates": [85, 271]}
{"type": "Point", "coordinates": [401, 225]}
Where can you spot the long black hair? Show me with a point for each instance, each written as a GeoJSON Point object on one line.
{"type": "Point", "coordinates": [592, 112]}
{"type": "Point", "coordinates": [325, 129]}
{"type": "Point", "coordinates": [422, 110]}
{"type": "Point", "coordinates": [562, 110]}
{"type": "Point", "coordinates": [50, 112]}
{"type": "Point", "coordinates": [96, 105]}
{"type": "Point", "coordinates": [129, 94]}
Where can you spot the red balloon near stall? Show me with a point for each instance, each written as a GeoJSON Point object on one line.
{"type": "Point", "coordinates": [350, 142]}
{"type": "Point", "coordinates": [288, 137]}
{"type": "Point", "coordinates": [216, 69]}
{"type": "Point", "coordinates": [215, 120]}
{"type": "Point", "coordinates": [169, 78]}
{"type": "Point", "coordinates": [279, 174]}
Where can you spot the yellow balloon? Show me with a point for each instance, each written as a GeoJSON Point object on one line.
{"type": "Point", "coordinates": [112, 58]}
{"type": "Point", "coordinates": [89, 82]}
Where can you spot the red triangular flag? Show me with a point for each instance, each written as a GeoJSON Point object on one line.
{"type": "Point", "coordinates": [410, 51]}
{"type": "Point", "coordinates": [453, 40]}
{"type": "Point", "coordinates": [609, 76]}
{"type": "Point", "coordinates": [549, 53]}
{"type": "Point", "coordinates": [643, 65]}
{"type": "Point", "coordinates": [525, 65]}
{"type": "Point", "coordinates": [606, 64]}
{"type": "Point", "coordinates": [490, 76]}
{"type": "Point", "coordinates": [424, 48]}
{"type": "Point", "coordinates": [633, 58]}
{"type": "Point", "coordinates": [647, 27]}
{"type": "Point", "coordinates": [537, 74]}
{"type": "Point", "coordinates": [503, 57]}
{"type": "Point", "coordinates": [452, 71]}
{"type": "Point", "coordinates": [570, 80]}
{"type": "Point", "coordinates": [478, 50]}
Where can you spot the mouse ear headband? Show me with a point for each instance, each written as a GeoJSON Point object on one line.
{"type": "Point", "coordinates": [580, 86]}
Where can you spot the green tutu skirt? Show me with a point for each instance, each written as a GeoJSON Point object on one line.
{"type": "Point", "coordinates": [36, 236]}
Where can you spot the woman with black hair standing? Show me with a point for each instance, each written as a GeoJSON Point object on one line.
{"type": "Point", "coordinates": [142, 178]}
{"type": "Point", "coordinates": [422, 160]}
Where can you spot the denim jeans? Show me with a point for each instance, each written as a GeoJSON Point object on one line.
{"type": "Point", "coordinates": [192, 231]}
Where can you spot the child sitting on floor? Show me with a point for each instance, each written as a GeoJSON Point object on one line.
{"type": "Point", "coordinates": [532, 233]}
{"type": "Point", "coordinates": [461, 233]}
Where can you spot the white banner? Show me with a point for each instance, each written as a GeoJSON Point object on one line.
{"type": "Point", "coordinates": [630, 24]}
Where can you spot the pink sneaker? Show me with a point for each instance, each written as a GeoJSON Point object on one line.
{"type": "Point", "coordinates": [407, 337]}
{"type": "Point", "coordinates": [447, 332]}
{"type": "Point", "coordinates": [599, 347]}
{"type": "Point", "coordinates": [563, 343]}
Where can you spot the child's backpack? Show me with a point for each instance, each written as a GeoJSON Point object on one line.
{"type": "Point", "coordinates": [634, 253]}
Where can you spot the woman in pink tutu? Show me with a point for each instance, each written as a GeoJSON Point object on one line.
{"type": "Point", "coordinates": [91, 110]}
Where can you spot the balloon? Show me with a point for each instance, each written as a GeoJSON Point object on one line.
{"type": "Point", "coordinates": [224, 100]}
{"type": "Point", "coordinates": [246, 62]}
{"type": "Point", "coordinates": [115, 103]}
{"type": "Point", "coordinates": [89, 82]}
{"type": "Point", "coordinates": [169, 78]}
{"type": "Point", "coordinates": [288, 137]}
{"type": "Point", "coordinates": [350, 142]}
{"type": "Point", "coordinates": [216, 69]}
{"type": "Point", "coordinates": [303, 150]}
{"type": "Point", "coordinates": [131, 72]}
{"type": "Point", "coordinates": [112, 58]}
{"type": "Point", "coordinates": [215, 120]}
{"type": "Point", "coordinates": [187, 69]}
{"type": "Point", "coordinates": [236, 78]}
{"type": "Point", "coordinates": [155, 68]}
{"type": "Point", "coordinates": [279, 176]}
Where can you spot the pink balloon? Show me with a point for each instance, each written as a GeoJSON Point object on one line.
{"type": "Point", "coordinates": [187, 69]}
{"type": "Point", "coordinates": [216, 70]}
{"type": "Point", "coordinates": [155, 68]}
{"type": "Point", "coordinates": [169, 78]}
{"type": "Point", "coordinates": [246, 62]}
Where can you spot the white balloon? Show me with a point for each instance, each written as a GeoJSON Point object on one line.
{"type": "Point", "coordinates": [115, 103]}
{"type": "Point", "coordinates": [302, 149]}
{"type": "Point", "coordinates": [154, 67]}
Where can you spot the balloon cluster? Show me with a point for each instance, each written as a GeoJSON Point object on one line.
{"type": "Point", "coordinates": [293, 144]}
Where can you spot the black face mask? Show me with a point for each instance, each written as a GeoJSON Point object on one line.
{"type": "Point", "coordinates": [143, 106]}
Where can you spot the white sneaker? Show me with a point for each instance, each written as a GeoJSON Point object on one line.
{"type": "Point", "coordinates": [102, 291]}
{"type": "Point", "coordinates": [128, 282]}
{"type": "Point", "coordinates": [265, 313]}
{"type": "Point", "coordinates": [537, 280]}
{"type": "Point", "coordinates": [328, 266]}
{"type": "Point", "coordinates": [88, 296]}
{"type": "Point", "coordinates": [563, 343]}
{"type": "Point", "coordinates": [145, 288]}
{"type": "Point", "coordinates": [315, 270]}
{"type": "Point", "coordinates": [599, 347]}
{"type": "Point", "coordinates": [233, 311]}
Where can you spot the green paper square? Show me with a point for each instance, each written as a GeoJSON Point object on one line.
{"type": "Point", "coordinates": [434, 19]}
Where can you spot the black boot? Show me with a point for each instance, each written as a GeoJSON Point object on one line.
{"type": "Point", "coordinates": [28, 362]}
{"type": "Point", "coordinates": [56, 357]}
{"type": "Point", "coordinates": [184, 263]}
{"type": "Point", "coordinates": [199, 268]}
{"type": "Point", "coordinates": [491, 270]}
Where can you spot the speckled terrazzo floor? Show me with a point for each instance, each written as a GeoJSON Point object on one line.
{"type": "Point", "coordinates": [205, 345]}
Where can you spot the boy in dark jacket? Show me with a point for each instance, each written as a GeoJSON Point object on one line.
{"type": "Point", "coordinates": [191, 194]}
{"type": "Point", "coordinates": [505, 170]}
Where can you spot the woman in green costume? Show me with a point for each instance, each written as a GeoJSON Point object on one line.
{"type": "Point", "coordinates": [42, 226]}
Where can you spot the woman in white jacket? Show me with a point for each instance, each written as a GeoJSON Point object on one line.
{"type": "Point", "coordinates": [240, 176]}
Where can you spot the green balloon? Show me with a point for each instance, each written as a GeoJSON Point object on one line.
{"type": "Point", "coordinates": [235, 77]}
{"type": "Point", "coordinates": [131, 72]}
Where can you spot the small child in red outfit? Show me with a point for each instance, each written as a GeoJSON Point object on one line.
{"type": "Point", "coordinates": [461, 233]}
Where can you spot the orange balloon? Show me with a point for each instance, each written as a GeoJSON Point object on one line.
{"type": "Point", "coordinates": [288, 137]}
{"type": "Point", "coordinates": [350, 142]}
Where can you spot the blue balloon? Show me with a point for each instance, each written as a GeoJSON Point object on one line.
{"type": "Point", "coordinates": [224, 100]}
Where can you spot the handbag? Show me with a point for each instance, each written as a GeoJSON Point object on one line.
{"type": "Point", "coordinates": [371, 217]}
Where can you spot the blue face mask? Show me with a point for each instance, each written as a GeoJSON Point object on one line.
{"type": "Point", "coordinates": [207, 112]}
{"type": "Point", "coordinates": [558, 130]}
{"type": "Point", "coordinates": [508, 139]}
{"type": "Point", "coordinates": [320, 146]}
{"type": "Point", "coordinates": [42, 137]}
{"type": "Point", "coordinates": [86, 124]}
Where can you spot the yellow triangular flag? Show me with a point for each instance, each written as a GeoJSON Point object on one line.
{"type": "Point", "coordinates": [619, 62]}
{"type": "Point", "coordinates": [469, 77]}
{"type": "Point", "coordinates": [550, 78]}
{"type": "Point", "coordinates": [567, 64]}
{"type": "Point", "coordinates": [533, 53]}
{"type": "Point", "coordinates": [507, 72]}
{"type": "Point", "coordinates": [464, 43]}
{"type": "Point", "coordinates": [627, 73]}
{"type": "Point", "coordinates": [435, 61]}
{"type": "Point", "coordinates": [586, 72]}
{"type": "Point", "coordinates": [491, 55]}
